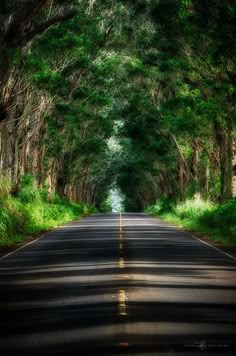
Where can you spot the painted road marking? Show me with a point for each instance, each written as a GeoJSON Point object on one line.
{"type": "Point", "coordinates": [122, 303]}
{"type": "Point", "coordinates": [216, 248]}
{"type": "Point", "coordinates": [120, 222]}
{"type": "Point", "coordinates": [121, 263]}
{"type": "Point", "coordinates": [204, 242]}
{"type": "Point", "coordinates": [20, 248]}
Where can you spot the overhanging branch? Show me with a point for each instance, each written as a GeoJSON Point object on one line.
{"type": "Point", "coordinates": [45, 25]}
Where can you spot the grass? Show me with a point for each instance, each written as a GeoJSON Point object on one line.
{"type": "Point", "coordinates": [32, 211]}
{"type": "Point", "coordinates": [214, 220]}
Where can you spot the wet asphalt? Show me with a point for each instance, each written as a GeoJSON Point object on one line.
{"type": "Point", "coordinates": [113, 284]}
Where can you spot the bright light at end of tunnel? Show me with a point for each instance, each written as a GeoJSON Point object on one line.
{"type": "Point", "coordinates": [116, 200]}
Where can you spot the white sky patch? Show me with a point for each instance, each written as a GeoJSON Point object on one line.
{"type": "Point", "coordinates": [116, 200]}
{"type": "Point", "coordinates": [114, 145]}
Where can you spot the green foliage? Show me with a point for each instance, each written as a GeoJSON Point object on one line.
{"type": "Point", "coordinates": [193, 209]}
{"type": "Point", "coordinates": [223, 220]}
{"type": "Point", "coordinates": [31, 212]}
{"type": "Point", "coordinates": [162, 205]}
{"type": "Point", "coordinates": [216, 221]}
{"type": "Point", "coordinates": [158, 76]}
{"type": "Point", "coordinates": [5, 187]}
{"type": "Point", "coordinates": [106, 206]}
{"type": "Point", "coordinates": [12, 221]}
{"type": "Point", "coordinates": [28, 192]}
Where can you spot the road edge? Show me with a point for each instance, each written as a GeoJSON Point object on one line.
{"type": "Point", "coordinates": [30, 239]}
{"type": "Point", "coordinates": [226, 250]}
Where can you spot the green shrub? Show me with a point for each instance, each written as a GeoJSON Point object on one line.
{"type": "Point", "coordinates": [57, 199]}
{"type": "Point", "coordinates": [222, 219]}
{"type": "Point", "coordinates": [5, 187]}
{"type": "Point", "coordinates": [162, 205]}
{"type": "Point", "coordinates": [193, 208]}
{"type": "Point", "coordinates": [106, 206]}
{"type": "Point", "coordinates": [12, 221]}
{"type": "Point", "coordinates": [29, 192]}
{"type": "Point", "coordinates": [217, 221]}
{"type": "Point", "coordinates": [32, 211]}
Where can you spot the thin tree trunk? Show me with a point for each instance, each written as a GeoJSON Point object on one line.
{"type": "Point", "coordinates": [234, 169]}
{"type": "Point", "coordinates": [224, 140]}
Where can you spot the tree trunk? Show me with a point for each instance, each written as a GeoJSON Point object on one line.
{"type": "Point", "coordinates": [224, 140]}
{"type": "Point", "coordinates": [234, 170]}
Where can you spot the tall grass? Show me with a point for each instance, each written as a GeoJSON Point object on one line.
{"type": "Point", "coordinates": [33, 210]}
{"type": "Point", "coordinates": [5, 187]}
{"type": "Point", "coordinates": [215, 220]}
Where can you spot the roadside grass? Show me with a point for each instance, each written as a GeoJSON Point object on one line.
{"type": "Point", "coordinates": [32, 211]}
{"type": "Point", "coordinates": [214, 220]}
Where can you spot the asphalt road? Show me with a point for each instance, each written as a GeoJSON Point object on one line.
{"type": "Point", "coordinates": [111, 285]}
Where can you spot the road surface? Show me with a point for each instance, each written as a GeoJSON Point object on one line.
{"type": "Point", "coordinates": [113, 284]}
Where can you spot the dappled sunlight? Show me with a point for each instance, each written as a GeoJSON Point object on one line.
{"type": "Point", "coordinates": [102, 332]}
{"type": "Point", "coordinates": [108, 107]}
{"type": "Point", "coordinates": [101, 288]}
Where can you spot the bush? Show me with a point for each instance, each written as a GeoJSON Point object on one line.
{"type": "Point", "coordinates": [222, 219]}
{"type": "Point", "coordinates": [5, 187]}
{"type": "Point", "coordinates": [163, 205]}
{"type": "Point", "coordinates": [193, 208]}
{"type": "Point", "coordinates": [217, 221]}
{"type": "Point", "coordinates": [32, 211]}
{"type": "Point", "coordinates": [12, 221]}
{"type": "Point", "coordinates": [106, 206]}
{"type": "Point", "coordinates": [28, 193]}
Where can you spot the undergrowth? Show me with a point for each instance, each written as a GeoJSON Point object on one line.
{"type": "Point", "coordinates": [34, 210]}
{"type": "Point", "coordinates": [218, 221]}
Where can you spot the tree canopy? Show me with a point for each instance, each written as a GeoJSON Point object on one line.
{"type": "Point", "coordinates": [140, 94]}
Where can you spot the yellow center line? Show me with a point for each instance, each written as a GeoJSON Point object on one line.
{"type": "Point", "coordinates": [122, 303]}
{"type": "Point", "coordinates": [121, 263]}
{"type": "Point", "coordinates": [120, 222]}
